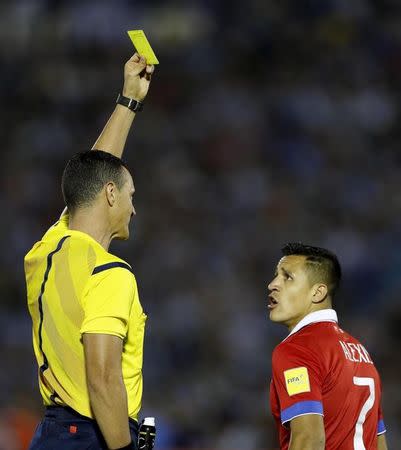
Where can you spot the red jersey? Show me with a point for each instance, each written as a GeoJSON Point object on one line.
{"type": "Point", "coordinates": [321, 369]}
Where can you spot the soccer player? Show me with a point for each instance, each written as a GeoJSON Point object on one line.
{"type": "Point", "coordinates": [88, 323]}
{"type": "Point", "coordinates": [325, 391]}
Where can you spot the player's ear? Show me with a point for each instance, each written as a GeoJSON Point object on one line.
{"type": "Point", "coordinates": [319, 293]}
{"type": "Point", "coordinates": [110, 191]}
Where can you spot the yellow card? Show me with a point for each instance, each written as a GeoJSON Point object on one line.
{"type": "Point", "coordinates": [297, 380]}
{"type": "Point", "coordinates": [142, 46]}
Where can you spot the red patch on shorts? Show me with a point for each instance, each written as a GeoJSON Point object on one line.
{"type": "Point", "coordinates": [73, 429]}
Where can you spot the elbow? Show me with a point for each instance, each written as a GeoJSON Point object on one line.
{"type": "Point", "coordinates": [102, 381]}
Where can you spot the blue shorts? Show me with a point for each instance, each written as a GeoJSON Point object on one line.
{"type": "Point", "coordinates": [63, 428]}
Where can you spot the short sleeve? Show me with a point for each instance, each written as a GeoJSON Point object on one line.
{"type": "Point", "coordinates": [107, 302]}
{"type": "Point", "coordinates": [298, 381]}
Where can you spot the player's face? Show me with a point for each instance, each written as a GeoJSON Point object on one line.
{"type": "Point", "coordinates": [290, 298]}
{"type": "Point", "coordinates": [125, 208]}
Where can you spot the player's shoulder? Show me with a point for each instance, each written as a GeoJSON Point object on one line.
{"type": "Point", "coordinates": [308, 340]}
{"type": "Point", "coordinates": [320, 332]}
{"type": "Point", "coordinates": [345, 335]}
{"type": "Point", "coordinates": [291, 354]}
{"type": "Point", "coordinates": [293, 344]}
{"type": "Point", "coordinates": [309, 334]}
{"type": "Point", "coordinates": [354, 350]}
{"type": "Point", "coordinates": [338, 334]}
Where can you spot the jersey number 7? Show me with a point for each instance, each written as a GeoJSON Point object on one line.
{"type": "Point", "coordinates": [367, 406]}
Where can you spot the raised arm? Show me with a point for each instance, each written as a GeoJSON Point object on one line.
{"type": "Point", "coordinates": [137, 75]}
{"type": "Point", "coordinates": [112, 139]}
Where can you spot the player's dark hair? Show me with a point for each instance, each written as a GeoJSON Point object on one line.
{"type": "Point", "coordinates": [85, 175]}
{"type": "Point", "coordinates": [322, 264]}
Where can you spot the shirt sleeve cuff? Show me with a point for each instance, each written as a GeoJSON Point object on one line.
{"type": "Point", "coordinates": [105, 325]}
{"type": "Point", "coordinates": [381, 428]}
{"type": "Point", "coordinates": [301, 409]}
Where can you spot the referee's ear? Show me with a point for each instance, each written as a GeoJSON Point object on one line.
{"type": "Point", "coordinates": [319, 293]}
{"type": "Point", "coordinates": [110, 190]}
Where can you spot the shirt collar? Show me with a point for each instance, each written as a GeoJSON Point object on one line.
{"type": "Point", "coordinates": [324, 315]}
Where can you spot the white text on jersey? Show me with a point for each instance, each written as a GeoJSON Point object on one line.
{"type": "Point", "coordinates": [355, 352]}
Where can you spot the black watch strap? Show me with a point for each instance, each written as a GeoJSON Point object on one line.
{"type": "Point", "coordinates": [130, 103]}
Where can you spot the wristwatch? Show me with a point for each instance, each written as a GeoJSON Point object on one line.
{"type": "Point", "coordinates": [130, 103]}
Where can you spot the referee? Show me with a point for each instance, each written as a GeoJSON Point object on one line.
{"type": "Point", "coordinates": [88, 323]}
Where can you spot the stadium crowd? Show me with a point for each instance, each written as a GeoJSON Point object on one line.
{"type": "Point", "coordinates": [266, 122]}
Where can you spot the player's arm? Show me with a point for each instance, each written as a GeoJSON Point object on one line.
{"type": "Point", "coordinates": [137, 75]}
{"type": "Point", "coordinates": [307, 433]}
{"type": "Point", "coordinates": [107, 392]}
{"type": "Point", "coordinates": [381, 442]}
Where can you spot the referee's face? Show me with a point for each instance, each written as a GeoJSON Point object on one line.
{"type": "Point", "coordinates": [291, 293]}
{"type": "Point", "coordinates": [124, 208]}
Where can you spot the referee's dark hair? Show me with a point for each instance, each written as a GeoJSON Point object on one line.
{"type": "Point", "coordinates": [85, 175]}
{"type": "Point", "coordinates": [322, 264]}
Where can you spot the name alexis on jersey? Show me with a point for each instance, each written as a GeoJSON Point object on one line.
{"type": "Point", "coordinates": [355, 352]}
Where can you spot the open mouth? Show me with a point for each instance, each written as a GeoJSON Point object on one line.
{"type": "Point", "coordinates": [272, 302]}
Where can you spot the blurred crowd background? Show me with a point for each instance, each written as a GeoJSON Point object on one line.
{"type": "Point", "coordinates": [266, 122]}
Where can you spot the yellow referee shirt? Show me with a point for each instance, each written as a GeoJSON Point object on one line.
{"type": "Point", "coordinates": [75, 286]}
